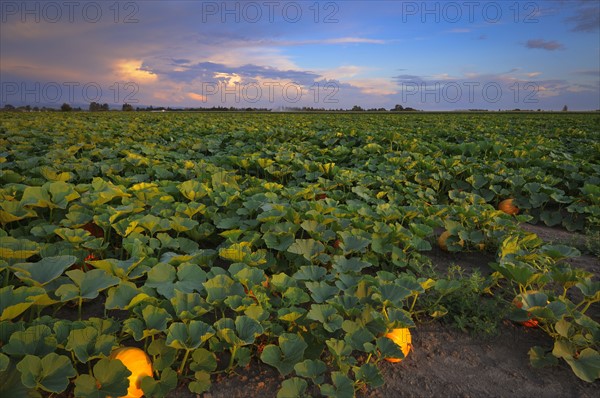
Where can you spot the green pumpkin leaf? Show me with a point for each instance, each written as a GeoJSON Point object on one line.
{"type": "Point", "coordinates": [50, 373]}
{"type": "Point", "coordinates": [162, 387]}
{"type": "Point", "coordinates": [88, 343]}
{"type": "Point", "coordinates": [311, 369]}
{"type": "Point", "coordinates": [307, 248]}
{"type": "Point", "coordinates": [221, 287]}
{"type": "Point", "coordinates": [342, 386]}
{"type": "Point", "coordinates": [188, 336]}
{"type": "Point", "coordinates": [13, 302]}
{"type": "Point", "coordinates": [201, 382]}
{"type": "Point", "coordinates": [321, 291]}
{"type": "Point", "coordinates": [539, 358]}
{"type": "Point", "coordinates": [43, 271]}
{"type": "Point", "coordinates": [125, 296]}
{"type": "Point", "coordinates": [370, 374]}
{"type": "Point", "coordinates": [327, 315]}
{"type": "Point", "coordinates": [203, 360]}
{"type": "Point", "coordinates": [109, 379]}
{"type": "Point", "coordinates": [88, 285]}
{"type": "Point", "coordinates": [293, 388]}
{"type": "Point", "coordinates": [284, 356]}
{"type": "Point", "coordinates": [35, 340]}
{"type": "Point", "coordinates": [587, 365]}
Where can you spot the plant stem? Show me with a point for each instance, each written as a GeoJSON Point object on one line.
{"type": "Point", "coordinates": [413, 303]}
{"type": "Point", "coordinates": [233, 352]}
{"type": "Point", "coordinates": [185, 357]}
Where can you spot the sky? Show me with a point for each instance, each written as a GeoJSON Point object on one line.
{"type": "Point", "coordinates": [428, 55]}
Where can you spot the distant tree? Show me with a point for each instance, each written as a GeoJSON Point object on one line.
{"type": "Point", "coordinates": [565, 108]}
{"type": "Point", "coordinates": [127, 107]}
{"type": "Point", "coordinates": [94, 107]}
{"type": "Point", "coordinates": [397, 108]}
{"type": "Point", "coordinates": [357, 108]}
{"type": "Point", "coordinates": [9, 107]}
{"type": "Point", "coordinates": [66, 107]}
{"type": "Point", "coordinates": [104, 107]}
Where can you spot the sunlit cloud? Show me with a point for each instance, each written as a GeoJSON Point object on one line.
{"type": "Point", "coordinates": [131, 70]}
{"type": "Point", "coordinates": [197, 97]}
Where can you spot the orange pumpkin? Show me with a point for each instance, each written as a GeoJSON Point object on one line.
{"type": "Point", "coordinates": [508, 207]}
{"type": "Point", "coordinates": [403, 339]}
{"type": "Point", "coordinates": [138, 363]}
{"type": "Point", "coordinates": [442, 241]}
{"type": "Point", "coordinates": [530, 323]}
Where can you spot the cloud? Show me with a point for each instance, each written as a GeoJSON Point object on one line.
{"type": "Point", "coordinates": [544, 45]}
{"type": "Point", "coordinates": [400, 79]}
{"type": "Point", "coordinates": [504, 90]}
{"type": "Point", "coordinates": [293, 43]}
{"type": "Point", "coordinates": [588, 72]}
{"type": "Point", "coordinates": [586, 19]}
{"type": "Point", "coordinates": [131, 70]}
{"type": "Point", "coordinates": [374, 86]}
{"type": "Point", "coordinates": [197, 97]}
{"type": "Point", "coordinates": [212, 72]}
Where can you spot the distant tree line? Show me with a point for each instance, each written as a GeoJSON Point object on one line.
{"type": "Point", "coordinates": [97, 107]}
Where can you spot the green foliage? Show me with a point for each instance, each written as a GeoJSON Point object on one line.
{"type": "Point", "coordinates": [297, 240]}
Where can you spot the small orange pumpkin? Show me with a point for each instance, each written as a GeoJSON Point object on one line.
{"type": "Point", "coordinates": [508, 207]}
{"type": "Point", "coordinates": [138, 362]}
{"type": "Point", "coordinates": [531, 322]}
{"type": "Point", "coordinates": [442, 241]}
{"type": "Point", "coordinates": [403, 339]}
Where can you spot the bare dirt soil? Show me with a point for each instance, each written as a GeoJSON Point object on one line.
{"type": "Point", "coordinates": [447, 362]}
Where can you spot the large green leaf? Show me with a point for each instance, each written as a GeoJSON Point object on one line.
{"type": "Point", "coordinates": [44, 271]}
{"type": "Point", "coordinates": [109, 379]}
{"type": "Point", "coordinates": [342, 386]}
{"type": "Point", "coordinates": [36, 340]}
{"type": "Point", "coordinates": [50, 373]}
{"type": "Point", "coordinates": [188, 336]}
{"type": "Point", "coordinates": [161, 387]}
{"type": "Point", "coordinates": [284, 356]}
{"type": "Point", "coordinates": [292, 388]}
{"type": "Point", "coordinates": [327, 315]}
{"type": "Point", "coordinates": [13, 302]}
{"type": "Point", "coordinates": [221, 287]}
{"type": "Point", "coordinates": [308, 248]}
{"type": "Point", "coordinates": [312, 369]}
{"type": "Point", "coordinates": [586, 365]}
{"type": "Point", "coordinates": [15, 250]}
{"type": "Point", "coordinates": [86, 285]}
{"type": "Point", "coordinates": [89, 343]}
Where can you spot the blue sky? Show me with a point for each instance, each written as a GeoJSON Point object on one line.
{"type": "Point", "coordinates": [430, 55]}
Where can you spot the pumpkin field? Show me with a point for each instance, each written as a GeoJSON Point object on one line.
{"type": "Point", "coordinates": [167, 254]}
